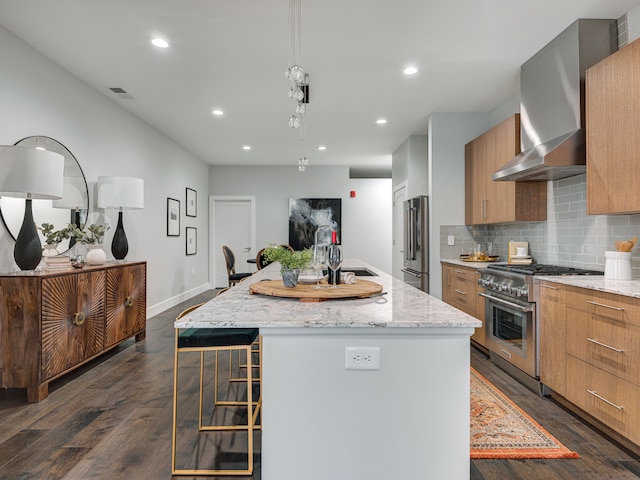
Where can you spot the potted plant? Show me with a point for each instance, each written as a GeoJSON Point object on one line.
{"type": "Point", "coordinates": [290, 262]}
{"type": "Point", "coordinates": [53, 237]}
{"type": "Point", "coordinates": [92, 237]}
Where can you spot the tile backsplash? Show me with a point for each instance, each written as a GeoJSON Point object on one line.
{"type": "Point", "coordinates": [569, 237]}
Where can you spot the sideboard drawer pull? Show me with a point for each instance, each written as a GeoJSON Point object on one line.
{"type": "Point", "coordinates": [605, 306]}
{"type": "Point", "coordinates": [128, 302]}
{"type": "Point", "coordinates": [593, 392]}
{"type": "Point", "coordinates": [604, 345]}
{"type": "Point", "coordinates": [78, 318]}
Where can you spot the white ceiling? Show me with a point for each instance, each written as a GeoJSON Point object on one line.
{"type": "Point", "coordinates": [231, 54]}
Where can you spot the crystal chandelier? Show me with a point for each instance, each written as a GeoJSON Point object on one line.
{"type": "Point", "coordinates": [295, 73]}
{"type": "Point", "coordinates": [299, 89]}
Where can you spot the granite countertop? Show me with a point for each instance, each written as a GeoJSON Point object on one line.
{"type": "Point", "coordinates": [402, 306]}
{"type": "Point", "coordinates": [628, 288]}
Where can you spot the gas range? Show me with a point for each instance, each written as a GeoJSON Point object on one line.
{"type": "Point", "coordinates": [516, 280]}
{"type": "Point", "coordinates": [512, 318]}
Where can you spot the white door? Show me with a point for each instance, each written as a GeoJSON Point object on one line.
{"type": "Point", "coordinates": [399, 196]}
{"type": "Point", "coordinates": [233, 225]}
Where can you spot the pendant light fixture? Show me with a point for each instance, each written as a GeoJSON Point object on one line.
{"type": "Point", "coordinates": [296, 74]}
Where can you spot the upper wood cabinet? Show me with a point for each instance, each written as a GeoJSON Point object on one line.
{"type": "Point", "coordinates": [613, 123]}
{"type": "Point", "coordinates": [487, 201]}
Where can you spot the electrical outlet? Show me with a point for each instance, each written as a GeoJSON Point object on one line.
{"type": "Point", "coordinates": [451, 240]}
{"type": "Point", "coordinates": [362, 358]}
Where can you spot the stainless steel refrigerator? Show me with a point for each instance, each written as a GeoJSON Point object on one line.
{"type": "Point", "coordinates": [416, 242]}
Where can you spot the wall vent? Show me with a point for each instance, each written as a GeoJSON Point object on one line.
{"type": "Point", "coordinates": [121, 92]}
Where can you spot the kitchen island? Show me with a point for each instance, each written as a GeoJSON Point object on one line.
{"type": "Point", "coordinates": [407, 419]}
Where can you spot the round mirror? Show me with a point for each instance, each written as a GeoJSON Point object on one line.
{"type": "Point", "coordinates": [71, 208]}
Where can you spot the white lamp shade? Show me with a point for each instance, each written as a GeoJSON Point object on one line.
{"type": "Point", "coordinates": [30, 173]}
{"type": "Point", "coordinates": [72, 196]}
{"type": "Point", "coordinates": [120, 192]}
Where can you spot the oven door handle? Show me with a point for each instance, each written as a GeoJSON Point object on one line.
{"type": "Point", "coordinates": [506, 303]}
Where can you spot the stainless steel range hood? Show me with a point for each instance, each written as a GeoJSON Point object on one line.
{"type": "Point", "coordinates": [552, 115]}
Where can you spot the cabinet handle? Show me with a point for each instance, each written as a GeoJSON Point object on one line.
{"type": "Point", "coordinates": [595, 394]}
{"type": "Point", "coordinates": [128, 302]}
{"type": "Point", "coordinates": [461, 293]}
{"type": "Point", "coordinates": [605, 306]}
{"type": "Point", "coordinates": [78, 318]}
{"type": "Point", "coordinates": [548, 286]}
{"type": "Point", "coordinates": [605, 345]}
{"type": "Point", "coordinates": [461, 272]}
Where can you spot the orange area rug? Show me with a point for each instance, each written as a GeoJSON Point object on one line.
{"type": "Point", "coordinates": [500, 429]}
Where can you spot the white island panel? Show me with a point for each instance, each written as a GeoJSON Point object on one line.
{"type": "Point", "coordinates": [408, 420]}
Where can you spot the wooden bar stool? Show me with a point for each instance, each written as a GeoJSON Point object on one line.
{"type": "Point", "coordinates": [214, 339]}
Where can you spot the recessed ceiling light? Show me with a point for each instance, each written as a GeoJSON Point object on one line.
{"type": "Point", "coordinates": [246, 147]}
{"type": "Point", "coordinates": [217, 112]}
{"type": "Point", "coordinates": [322, 147]}
{"type": "Point", "coordinates": [410, 70]}
{"type": "Point", "coordinates": [160, 42]}
{"type": "Point", "coordinates": [381, 121]}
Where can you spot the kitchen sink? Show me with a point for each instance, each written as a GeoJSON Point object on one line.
{"type": "Point", "coordinates": [359, 272]}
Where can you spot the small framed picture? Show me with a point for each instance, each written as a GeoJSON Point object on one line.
{"type": "Point", "coordinates": [192, 240]}
{"type": "Point", "coordinates": [192, 203]}
{"type": "Point", "coordinates": [173, 217]}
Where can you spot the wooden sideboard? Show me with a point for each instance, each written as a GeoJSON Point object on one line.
{"type": "Point", "coordinates": [53, 322]}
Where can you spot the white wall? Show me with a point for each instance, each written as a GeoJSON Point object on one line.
{"type": "Point", "coordinates": [448, 134]}
{"type": "Point", "coordinates": [366, 219]}
{"type": "Point", "coordinates": [410, 163]}
{"type": "Point", "coordinates": [37, 97]}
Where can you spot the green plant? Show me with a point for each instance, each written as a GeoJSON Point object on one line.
{"type": "Point", "coordinates": [92, 235]}
{"type": "Point", "coordinates": [288, 259]}
{"type": "Point", "coordinates": [53, 237]}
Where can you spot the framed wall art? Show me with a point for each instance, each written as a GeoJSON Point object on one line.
{"type": "Point", "coordinates": [192, 240]}
{"type": "Point", "coordinates": [173, 217]}
{"type": "Point", "coordinates": [307, 214]}
{"type": "Point", "coordinates": [192, 203]}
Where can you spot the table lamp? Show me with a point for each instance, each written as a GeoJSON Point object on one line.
{"type": "Point", "coordinates": [123, 193]}
{"type": "Point", "coordinates": [29, 173]}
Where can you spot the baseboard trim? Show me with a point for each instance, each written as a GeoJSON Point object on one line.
{"type": "Point", "coordinates": [173, 301]}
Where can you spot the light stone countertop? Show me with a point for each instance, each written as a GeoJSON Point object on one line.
{"type": "Point", "coordinates": [402, 306]}
{"type": "Point", "coordinates": [462, 263]}
{"type": "Point", "coordinates": [628, 288]}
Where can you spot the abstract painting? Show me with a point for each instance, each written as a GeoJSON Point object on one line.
{"type": "Point", "coordinates": [307, 214]}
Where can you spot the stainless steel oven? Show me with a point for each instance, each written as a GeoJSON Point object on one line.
{"type": "Point", "coordinates": [512, 331]}
{"type": "Point", "coordinates": [511, 296]}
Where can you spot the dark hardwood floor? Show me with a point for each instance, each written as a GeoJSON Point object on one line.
{"type": "Point", "coordinates": [111, 419]}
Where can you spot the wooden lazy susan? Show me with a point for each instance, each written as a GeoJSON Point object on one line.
{"type": "Point", "coordinates": [306, 293]}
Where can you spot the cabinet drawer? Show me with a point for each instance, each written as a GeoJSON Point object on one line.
{"type": "Point", "coordinates": [605, 305]}
{"type": "Point", "coordinates": [465, 293]}
{"type": "Point", "coordinates": [607, 344]}
{"type": "Point", "coordinates": [610, 399]}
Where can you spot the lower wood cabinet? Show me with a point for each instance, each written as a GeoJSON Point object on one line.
{"type": "Point", "coordinates": [590, 352]}
{"type": "Point", "coordinates": [460, 289]}
{"type": "Point", "coordinates": [51, 323]}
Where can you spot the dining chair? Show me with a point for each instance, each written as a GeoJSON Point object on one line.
{"type": "Point", "coordinates": [230, 259]}
{"type": "Point", "coordinates": [203, 340]}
